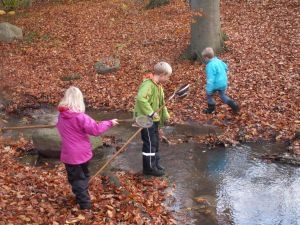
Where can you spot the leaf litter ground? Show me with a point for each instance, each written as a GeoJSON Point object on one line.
{"type": "Point", "coordinates": [62, 39]}
{"type": "Point", "coordinates": [69, 38]}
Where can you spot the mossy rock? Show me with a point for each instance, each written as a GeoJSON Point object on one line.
{"type": "Point", "coordinates": [9, 32]}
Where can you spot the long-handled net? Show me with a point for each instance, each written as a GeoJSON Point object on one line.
{"type": "Point", "coordinates": [27, 127]}
{"type": "Point", "coordinates": [140, 121]}
{"type": "Point", "coordinates": [144, 121]}
{"type": "Point", "coordinates": [181, 92]}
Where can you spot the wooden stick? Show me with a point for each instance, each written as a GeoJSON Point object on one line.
{"type": "Point", "coordinates": [46, 126]}
{"type": "Point", "coordinates": [125, 145]}
{"type": "Point", "coordinates": [116, 154]}
{"type": "Point", "coordinates": [126, 120]}
{"type": "Point", "coordinates": [128, 141]}
{"type": "Point", "coordinates": [28, 127]}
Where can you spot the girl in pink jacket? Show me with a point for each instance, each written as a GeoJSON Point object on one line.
{"type": "Point", "coordinates": [74, 127]}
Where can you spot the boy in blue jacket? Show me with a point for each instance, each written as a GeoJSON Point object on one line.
{"type": "Point", "coordinates": [216, 81]}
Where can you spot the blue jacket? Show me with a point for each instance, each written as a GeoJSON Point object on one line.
{"type": "Point", "coordinates": [216, 75]}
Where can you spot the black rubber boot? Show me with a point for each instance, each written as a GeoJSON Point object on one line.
{"type": "Point", "coordinates": [154, 172]}
{"type": "Point", "coordinates": [149, 167]}
{"type": "Point", "coordinates": [210, 109]}
{"type": "Point", "coordinates": [158, 166]}
{"type": "Point", "coordinates": [235, 108]}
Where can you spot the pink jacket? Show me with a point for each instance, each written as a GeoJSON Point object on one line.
{"type": "Point", "coordinates": [74, 129]}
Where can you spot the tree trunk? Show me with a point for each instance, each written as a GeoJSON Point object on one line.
{"type": "Point", "coordinates": [206, 28]}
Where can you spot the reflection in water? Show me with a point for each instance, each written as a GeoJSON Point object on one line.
{"type": "Point", "coordinates": [241, 190]}
{"type": "Point", "coordinates": [251, 192]}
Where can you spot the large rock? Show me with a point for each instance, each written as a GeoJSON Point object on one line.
{"type": "Point", "coordinates": [9, 32]}
{"type": "Point", "coordinates": [107, 65]}
{"type": "Point", "coordinates": [47, 142]}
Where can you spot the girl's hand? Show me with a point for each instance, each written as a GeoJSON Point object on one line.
{"type": "Point", "coordinates": [114, 122]}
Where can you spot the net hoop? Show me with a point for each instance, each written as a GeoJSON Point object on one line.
{"type": "Point", "coordinates": [144, 121]}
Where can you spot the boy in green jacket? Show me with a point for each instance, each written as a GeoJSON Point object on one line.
{"type": "Point", "coordinates": [149, 99]}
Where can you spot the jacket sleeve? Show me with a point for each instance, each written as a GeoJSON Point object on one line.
{"type": "Point", "coordinates": [166, 115]}
{"type": "Point", "coordinates": [91, 127]}
{"type": "Point", "coordinates": [225, 66]}
{"type": "Point", "coordinates": [142, 99]}
{"type": "Point", "coordinates": [210, 78]}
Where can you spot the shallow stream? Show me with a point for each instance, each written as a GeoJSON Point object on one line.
{"type": "Point", "coordinates": [211, 186]}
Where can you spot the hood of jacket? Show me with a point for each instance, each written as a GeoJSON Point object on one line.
{"type": "Point", "coordinates": [66, 113]}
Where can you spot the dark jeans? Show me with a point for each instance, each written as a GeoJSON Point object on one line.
{"type": "Point", "coordinates": [221, 93]}
{"type": "Point", "coordinates": [78, 177]}
{"type": "Point", "coordinates": [150, 138]}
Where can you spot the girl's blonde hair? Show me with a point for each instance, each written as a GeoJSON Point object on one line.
{"type": "Point", "coordinates": [73, 99]}
{"type": "Point", "coordinates": [163, 68]}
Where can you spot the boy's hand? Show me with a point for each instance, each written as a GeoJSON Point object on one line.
{"type": "Point", "coordinates": [154, 116]}
{"type": "Point", "coordinates": [114, 122]}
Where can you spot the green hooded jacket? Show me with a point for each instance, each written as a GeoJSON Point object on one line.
{"type": "Point", "coordinates": [149, 99]}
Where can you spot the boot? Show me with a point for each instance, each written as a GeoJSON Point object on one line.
{"type": "Point", "coordinates": [149, 167]}
{"type": "Point", "coordinates": [233, 106]}
{"type": "Point", "coordinates": [154, 172]}
{"type": "Point", "coordinates": [210, 109]}
{"type": "Point", "coordinates": [158, 166]}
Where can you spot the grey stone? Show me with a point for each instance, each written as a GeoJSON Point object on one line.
{"type": "Point", "coordinates": [9, 32]}
{"type": "Point", "coordinates": [101, 66]}
{"type": "Point", "coordinates": [47, 142]}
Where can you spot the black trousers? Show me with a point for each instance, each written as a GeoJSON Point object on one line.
{"type": "Point", "coordinates": [78, 177]}
{"type": "Point", "coordinates": [150, 138]}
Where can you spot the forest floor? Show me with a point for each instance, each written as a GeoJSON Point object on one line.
{"type": "Point", "coordinates": [68, 38]}
{"type": "Point", "coordinates": [42, 195]}
{"type": "Point", "coordinates": [64, 39]}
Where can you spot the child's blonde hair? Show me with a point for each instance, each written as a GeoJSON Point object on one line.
{"type": "Point", "coordinates": [73, 99]}
{"type": "Point", "coordinates": [208, 52]}
{"type": "Point", "coordinates": [163, 68]}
